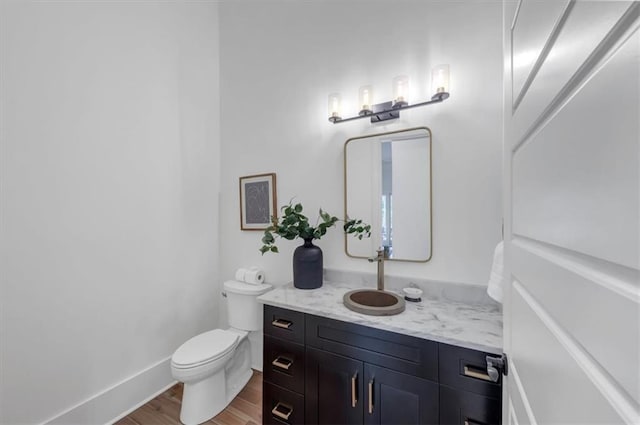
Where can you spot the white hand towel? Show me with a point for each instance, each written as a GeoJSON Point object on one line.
{"type": "Point", "coordinates": [496, 279]}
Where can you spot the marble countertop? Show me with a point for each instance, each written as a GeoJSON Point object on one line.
{"type": "Point", "coordinates": [474, 326]}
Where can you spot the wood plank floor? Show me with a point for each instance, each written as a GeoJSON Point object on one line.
{"type": "Point", "coordinates": [245, 409]}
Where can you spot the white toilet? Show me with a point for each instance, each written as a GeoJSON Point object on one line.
{"type": "Point", "coordinates": [216, 365]}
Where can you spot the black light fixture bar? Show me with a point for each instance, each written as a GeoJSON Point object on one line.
{"type": "Point", "coordinates": [387, 111]}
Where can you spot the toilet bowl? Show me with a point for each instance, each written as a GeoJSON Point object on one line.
{"type": "Point", "coordinates": [215, 365]}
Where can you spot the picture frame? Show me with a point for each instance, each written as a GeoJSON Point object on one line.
{"type": "Point", "coordinates": [257, 201]}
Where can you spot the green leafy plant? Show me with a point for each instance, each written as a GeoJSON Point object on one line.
{"type": "Point", "coordinates": [293, 224]}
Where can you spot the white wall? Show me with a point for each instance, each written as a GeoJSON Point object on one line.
{"type": "Point", "coordinates": [280, 60]}
{"type": "Point", "coordinates": [109, 192]}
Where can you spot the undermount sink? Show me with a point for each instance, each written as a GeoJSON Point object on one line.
{"type": "Point", "coordinates": [374, 302]}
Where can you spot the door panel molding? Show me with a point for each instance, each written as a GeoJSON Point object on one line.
{"type": "Point", "coordinates": [571, 187]}
{"type": "Point", "coordinates": [608, 387]}
{"type": "Point", "coordinates": [514, 16]}
{"type": "Point", "coordinates": [544, 51]}
{"type": "Point", "coordinates": [515, 380]}
{"type": "Point", "coordinates": [622, 280]}
{"type": "Point", "coordinates": [513, 418]}
{"type": "Point", "coordinates": [540, 116]}
{"type": "Point", "coordinates": [553, 278]}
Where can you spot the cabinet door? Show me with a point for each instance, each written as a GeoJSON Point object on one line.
{"type": "Point", "coordinates": [333, 389]}
{"type": "Point", "coordinates": [395, 398]}
{"type": "Point", "coordinates": [465, 408]}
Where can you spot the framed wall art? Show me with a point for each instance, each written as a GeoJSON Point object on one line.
{"type": "Point", "coordinates": [257, 201]}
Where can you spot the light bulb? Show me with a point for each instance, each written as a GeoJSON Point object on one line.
{"type": "Point", "coordinates": [366, 97]}
{"type": "Point", "coordinates": [440, 79]}
{"type": "Point", "coordinates": [400, 90]}
{"type": "Point", "coordinates": [335, 107]}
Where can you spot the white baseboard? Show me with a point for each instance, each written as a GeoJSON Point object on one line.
{"type": "Point", "coordinates": [120, 399]}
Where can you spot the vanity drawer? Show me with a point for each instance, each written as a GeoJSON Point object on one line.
{"type": "Point", "coordinates": [467, 370]}
{"type": "Point", "coordinates": [402, 353]}
{"type": "Point", "coordinates": [280, 406]}
{"type": "Point", "coordinates": [284, 324]}
{"type": "Point", "coordinates": [459, 407]}
{"type": "Point", "coordinates": [284, 363]}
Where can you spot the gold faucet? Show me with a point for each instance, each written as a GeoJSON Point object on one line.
{"type": "Point", "coordinates": [380, 259]}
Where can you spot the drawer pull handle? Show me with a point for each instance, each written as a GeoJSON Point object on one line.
{"type": "Point", "coordinates": [468, 421]}
{"type": "Point", "coordinates": [354, 395]}
{"type": "Point", "coordinates": [282, 362]}
{"type": "Point", "coordinates": [476, 373]}
{"type": "Point", "coordinates": [282, 411]}
{"type": "Point", "coordinates": [371, 396]}
{"type": "Point", "coordinates": [282, 323]}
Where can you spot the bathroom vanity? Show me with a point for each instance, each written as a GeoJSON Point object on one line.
{"type": "Point", "coordinates": [324, 364]}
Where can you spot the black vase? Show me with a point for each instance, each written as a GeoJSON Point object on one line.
{"type": "Point", "coordinates": [307, 266]}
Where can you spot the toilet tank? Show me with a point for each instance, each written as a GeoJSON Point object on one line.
{"type": "Point", "coordinates": [243, 309]}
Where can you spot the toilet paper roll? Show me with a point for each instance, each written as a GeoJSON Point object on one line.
{"type": "Point", "coordinates": [240, 273]}
{"type": "Point", "coordinates": [254, 276]}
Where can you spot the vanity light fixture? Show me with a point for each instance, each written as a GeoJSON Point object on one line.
{"type": "Point", "coordinates": [391, 109]}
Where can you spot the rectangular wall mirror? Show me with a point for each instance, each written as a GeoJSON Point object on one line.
{"type": "Point", "coordinates": [387, 183]}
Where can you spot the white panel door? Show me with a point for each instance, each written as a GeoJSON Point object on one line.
{"type": "Point", "coordinates": [572, 214]}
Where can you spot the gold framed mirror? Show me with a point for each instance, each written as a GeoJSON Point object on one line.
{"type": "Point", "coordinates": [387, 183]}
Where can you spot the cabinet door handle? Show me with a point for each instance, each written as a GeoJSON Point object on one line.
{"type": "Point", "coordinates": [282, 362]}
{"type": "Point", "coordinates": [282, 323]}
{"type": "Point", "coordinates": [371, 396]}
{"type": "Point", "coordinates": [472, 372]}
{"type": "Point", "coordinates": [282, 411]}
{"type": "Point", "coordinates": [354, 394]}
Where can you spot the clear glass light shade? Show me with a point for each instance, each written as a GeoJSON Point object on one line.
{"type": "Point", "coordinates": [335, 107]}
{"type": "Point", "coordinates": [401, 90]}
{"type": "Point", "coordinates": [440, 79]}
{"type": "Point", "coordinates": [365, 96]}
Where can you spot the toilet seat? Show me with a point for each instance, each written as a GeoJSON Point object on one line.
{"type": "Point", "coordinates": [204, 348]}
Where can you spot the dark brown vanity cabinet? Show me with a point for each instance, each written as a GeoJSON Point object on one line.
{"type": "Point", "coordinates": [324, 371]}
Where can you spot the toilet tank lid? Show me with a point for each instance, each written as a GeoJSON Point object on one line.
{"type": "Point", "coordinates": [236, 287]}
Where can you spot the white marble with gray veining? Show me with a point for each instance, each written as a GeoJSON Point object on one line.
{"type": "Point", "coordinates": [433, 289]}
{"type": "Point", "coordinates": [477, 326]}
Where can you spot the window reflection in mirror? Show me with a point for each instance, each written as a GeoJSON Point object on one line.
{"type": "Point", "coordinates": [388, 184]}
{"type": "Point", "coordinates": [386, 199]}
